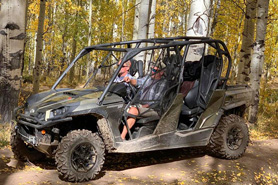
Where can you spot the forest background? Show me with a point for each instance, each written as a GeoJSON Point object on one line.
{"type": "Point", "coordinates": [70, 25]}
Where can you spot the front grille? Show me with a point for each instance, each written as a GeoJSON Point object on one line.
{"type": "Point", "coordinates": [41, 116]}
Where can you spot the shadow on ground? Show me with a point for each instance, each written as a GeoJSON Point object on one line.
{"type": "Point", "coordinates": [116, 162]}
{"type": "Point", "coordinates": [259, 165]}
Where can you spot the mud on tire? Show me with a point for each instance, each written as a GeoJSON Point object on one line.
{"type": "Point", "coordinates": [230, 138]}
{"type": "Point", "coordinates": [80, 156]}
{"type": "Point", "coordinates": [106, 134]}
{"type": "Point", "coordinates": [21, 151]}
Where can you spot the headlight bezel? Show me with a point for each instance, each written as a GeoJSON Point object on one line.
{"type": "Point", "coordinates": [56, 113]}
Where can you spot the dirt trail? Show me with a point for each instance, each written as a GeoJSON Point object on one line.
{"type": "Point", "coordinates": [182, 166]}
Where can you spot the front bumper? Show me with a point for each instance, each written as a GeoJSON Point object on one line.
{"type": "Point", "coordinates": [30, 139]}
{"type": "Point", "coordinates": [34, 122]}
{"type": "Point", "coordinates": [43, 143]}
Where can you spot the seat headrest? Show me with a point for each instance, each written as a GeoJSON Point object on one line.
{"type": "Point", "coordinates": [172, 67]}
{"type": "Point", "coordinates": [136, 66]}
{"type": "Point", "coordinates": [208, 59]}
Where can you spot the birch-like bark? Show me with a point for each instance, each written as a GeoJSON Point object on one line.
{"type": "Point", "coordinates": [144, 19]}
{"type": "Point", "coordinates": [247, 41]}
{"type": "Point", "coordinates": [151, 16]}
{"type": "Point", "coordinates": [136, 20]}
{"type": "Point", "coordinates": [235, 53]}
{"type": "Point", "coordinates": [12, 35]}
{"type": "Point", "coordinates": [198, 18]}
{"type": "Point", "coordinates": [64, 41]}
{"type": "Point", "coordinates": [257, 58]}
{"type": "Point", "coordinates": [89, 39]}
{"type": "Point", "coordinates": [213, 18]}
{"type": "Point", "coordinates": [39, 47]}
{"type": "Point", "coordinates": [25, 40]}
{"type": "Point", "coordinates": [73, 51]}
{"type": "Point", "coordinates": [151, 26]}
{"type": "Point", "coordinates": [123, 22]}
{"type": "Point", "coordinates": [198, 24]}
{"type": "Point", "coordinates": [185, 17]}
{"type": "Point", "coordinates": [143, 26]}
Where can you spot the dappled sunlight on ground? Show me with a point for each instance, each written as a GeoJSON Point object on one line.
{"type": "Point", "coordinates": [259, 165]}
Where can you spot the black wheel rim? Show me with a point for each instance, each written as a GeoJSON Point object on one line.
{"type": "Point", "coordinates": [83, 157]}
{"type": "Point", "coordinates": [235, 137]}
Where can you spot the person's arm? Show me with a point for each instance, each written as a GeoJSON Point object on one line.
{"type": "Point", "coordinates": [132, 81]}
{"type": "Point", "coordinates": [145, 105]}
{"type": "Point", "coordinates": [135, 82]}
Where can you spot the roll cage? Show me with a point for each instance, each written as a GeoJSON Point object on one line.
{"type": "Point", "coordinates": [132, 48]}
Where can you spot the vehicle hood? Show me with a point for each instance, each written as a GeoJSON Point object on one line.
{"type": "Point", "coordinates": [62, 97]}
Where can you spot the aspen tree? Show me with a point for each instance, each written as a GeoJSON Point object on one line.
{"type": "Point", "coordinates": [12, 35]}
{"type": "Point", "coordinates": [39, 46]}
{"type": "Point", "coordinates": [257, 58]}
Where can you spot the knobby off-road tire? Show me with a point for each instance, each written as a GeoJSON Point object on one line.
{"type": "Point", "coordinates": [106, 134]}
{"type": "Point", "coordinates": [230, 138]}
{"type": "Point", "coordinates": [21, 151]}
{"type": "Point", "coordinates": [80, 156]}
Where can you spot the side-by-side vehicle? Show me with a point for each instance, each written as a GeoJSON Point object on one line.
{"type": "Point", "coordinates": [78, 126]}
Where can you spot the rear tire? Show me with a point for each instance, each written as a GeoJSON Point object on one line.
{"type": "Point", "coordinates": [230, 138]}
{"type": "Point", "coordinates": [21, 151]}
{"type": "Point", "coordinates": [80, 156]}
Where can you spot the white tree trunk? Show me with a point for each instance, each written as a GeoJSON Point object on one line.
{"type": "Point", "coordinates": [12, 35]}
{"type": "Point", "coordinates": [152, 19]}
{"type": "Point", "coordinates": [151, 27]}
{"type": "Point", "coordinates": [198, 24]}
{"type": "Point", "coordinates": [123, 21]}
{"type": "Point", "coordinates": [89, 40]}
{"type": "Point", "coordinates": [185, 17]}
{"type": "Point", "coordinates": [247, 41]}
{"type": "Point", "coordinates": [213, 18]}
{"type": "Point", "coordinates": [257, 58]}
{"type": "Point", "coordinates": [39, 47]}
{"type": "Point", "coordinates": [143, 26]}
{"type": "Point", "coordinates": [198, 18]}
{"type": "Point", "coordinates": [136, 19]}
{"type": "Point", "coordinates": [144, 19]}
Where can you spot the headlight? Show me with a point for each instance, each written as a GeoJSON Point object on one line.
{"type": "Point", "coordinates": [55, 112]}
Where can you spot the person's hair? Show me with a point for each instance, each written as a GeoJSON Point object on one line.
{"type": "Point", "coordinates": [128, 63]}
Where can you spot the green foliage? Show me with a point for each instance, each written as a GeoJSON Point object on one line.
{"type": "Point", "coordinates": [171, 18]}
{"type": "Point", "coordinates": [113, 21]}
{"type": "Point", "coordinates": [62, 26]}
{"type": "Point", "coordinates": [270, 96]}
{"type": "Point", "coordinates": [267, 126]}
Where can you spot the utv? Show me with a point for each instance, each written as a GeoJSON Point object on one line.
{"type": "Point", "coordinates": [78, 126]}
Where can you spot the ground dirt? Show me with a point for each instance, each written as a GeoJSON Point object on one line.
{"type": "Point", "coordinates": [259, 165]}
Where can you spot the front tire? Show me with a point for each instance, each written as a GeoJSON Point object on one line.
{"type": "Point", "coordinates": [230, 138]}
{"type": "Point", "coordinates": [80, 156]}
